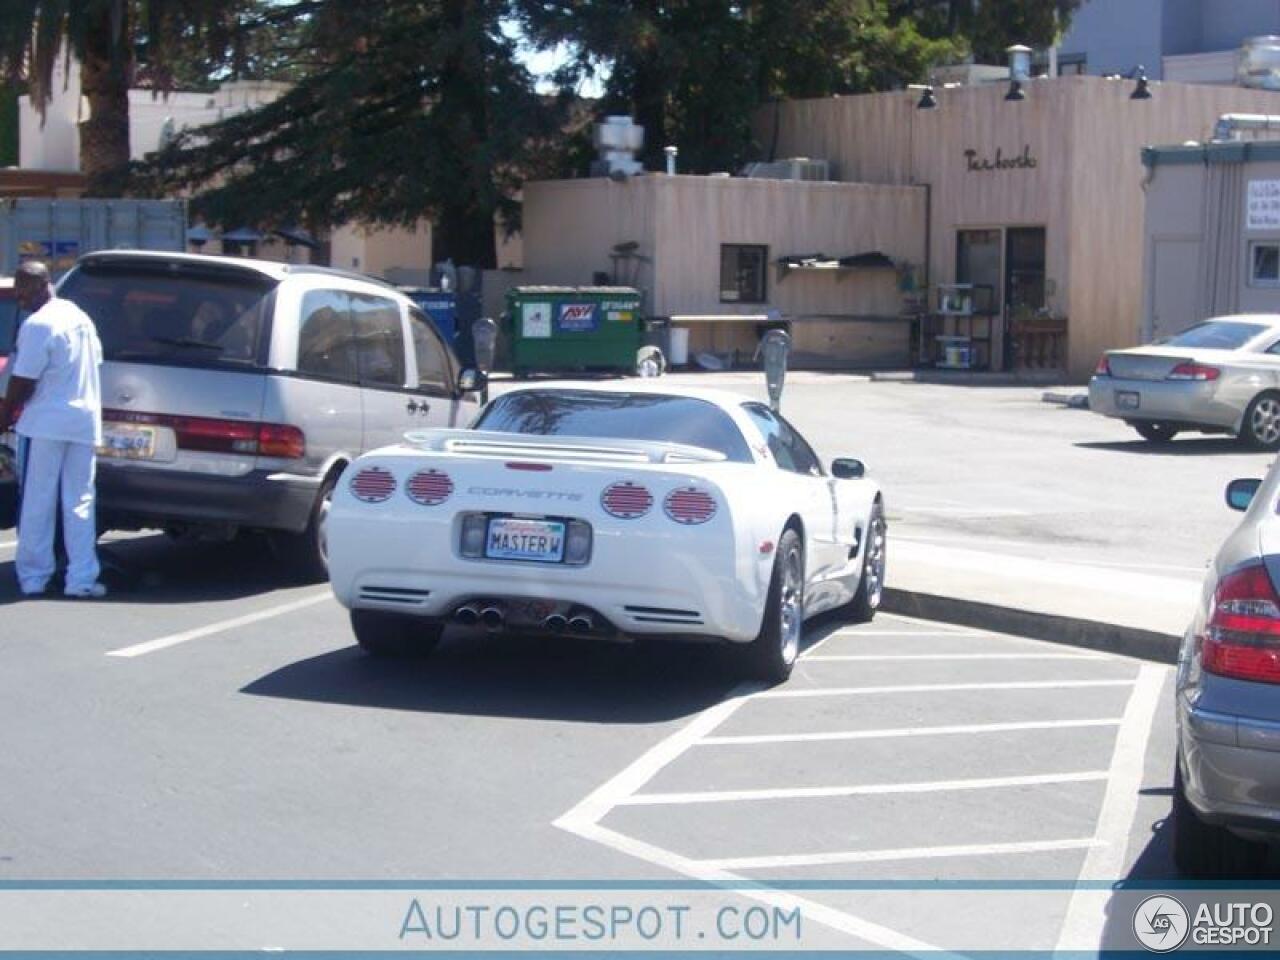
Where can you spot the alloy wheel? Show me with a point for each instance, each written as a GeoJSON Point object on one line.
{"type": "Point", "coordinates": [791, 607]}
{"type": "Point", "coordinates": [1264, 424]}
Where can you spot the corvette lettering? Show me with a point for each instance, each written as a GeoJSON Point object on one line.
{"type": "Point", "coordinates": [524, 494]}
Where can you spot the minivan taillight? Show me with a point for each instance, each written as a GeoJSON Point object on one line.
{"type": "Point", "coordinates": [211, 435]}
{"type": "Point", "coordinates": [1242, 638]}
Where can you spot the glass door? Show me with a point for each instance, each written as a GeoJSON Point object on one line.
{"type": "Point", "coordinates": [978, 264]}
{"type": "Point", "coordinates": [1024, 291]}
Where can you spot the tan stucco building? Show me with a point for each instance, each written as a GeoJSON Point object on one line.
{"type": "Point", "coordinates": [1037, 203]}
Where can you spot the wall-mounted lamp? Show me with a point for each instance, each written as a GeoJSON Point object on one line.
{"type": "Point", "coordinates": [1019, 70]}
{"type": "Point", "coordinates": [1015, 91]}
{"type": "Point", "coordinates": [1142, 90]}
{"type": "Point", "coordinates": [927, 100]}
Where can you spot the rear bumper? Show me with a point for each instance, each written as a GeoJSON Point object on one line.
{"type": "Point", "coordinates": [1231, 769]}
{"type": "Point", "coordinates": [1187, 403]}
{"type": "Point", "coordinates": [641, 586]}
{"type": "Point", "coordinates": [132, 497]}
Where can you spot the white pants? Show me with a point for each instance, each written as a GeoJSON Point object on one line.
{"type": "Point", "coordinates": [50, 466]}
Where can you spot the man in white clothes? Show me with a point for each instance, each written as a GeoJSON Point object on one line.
{"type": "Point", "coordinates": [54, 381]}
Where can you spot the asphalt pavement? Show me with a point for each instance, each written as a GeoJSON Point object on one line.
{"type": "Point", "coordinates": [213, 720]}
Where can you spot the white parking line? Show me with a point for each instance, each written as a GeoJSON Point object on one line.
{"type": "Point", "coordinates": [940, 688]}
{"type": "Point", "coordinates": [1086, 915]}
{"type": "Point", "coordinates": [873, 657]}
{"type": "Point", "coordinates": [8, 544]}
{"type": "Point", "coordinates": [856, 790]}
{"type": "Point", "coordinates": [904, 853]}
{"type": "Point", "coordinates": [902, 732]}
{"type": "Point", "coordinates": [162, 643]}
{"type": "Point", "coordinates": [584, 821]}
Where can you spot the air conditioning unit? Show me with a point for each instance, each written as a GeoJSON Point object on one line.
{"type": "Point", "coordinates": [791, 168]}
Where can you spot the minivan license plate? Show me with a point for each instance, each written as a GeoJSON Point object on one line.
{"type": "Point", "coordinates": [128, 441]}
{"type": "Point", "coordinates": [1126, 399]}
{"type": "Point", "coordinates": [538, 540]}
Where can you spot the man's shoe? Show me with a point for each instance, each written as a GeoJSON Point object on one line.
{"type": "Point", "coordinates": [93, 591]}
{"type": "Point", "coordinates": [34, 590]}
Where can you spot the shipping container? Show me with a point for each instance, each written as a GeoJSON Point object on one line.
{"type": "Point", "coordinates": [60, 231]}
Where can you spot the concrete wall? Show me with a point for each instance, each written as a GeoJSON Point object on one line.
{"type": "Point", "coordinates": [1228, 24]}
{"type": "Point", "coordinates": [376, 250]}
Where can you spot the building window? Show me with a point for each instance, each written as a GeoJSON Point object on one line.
{"type": "Point", "coordinates": [1265, 265]}
{"type": "Point", "coordinates": [742, 273]}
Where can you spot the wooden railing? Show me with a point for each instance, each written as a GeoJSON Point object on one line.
{"type": "Point", "coordinates": [1039, 343]}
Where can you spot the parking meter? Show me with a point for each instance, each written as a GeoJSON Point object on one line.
{"type": "Point", "coordinates": [774, 347]}
{"type": "Point", "coordinates": [484, 336]}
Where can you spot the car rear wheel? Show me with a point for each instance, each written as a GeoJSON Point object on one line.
{"type": "Point", "coordinates": [866, 601]}
{"type": "Point", "coordinates": [772, 654]}
{"type": "Point", "coordinates": [1206, 851]}
{"type": "Point", "coordinates": [307, 553]}
{"type": "Point", "coordinates": [1261, 427]}
{"type": "Point", "coordinates": [1155, 431]}
{"type": "Point", "coordinates": [394, 634]}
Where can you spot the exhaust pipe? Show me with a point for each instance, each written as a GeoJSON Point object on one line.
{"type": "Point", "coordinates": [467, 614]}
{"type": "Point", "coordinates": [556, 623]}
{"type": "Point", "coordinates": [582, 623]}
{"type": "Point", "coordinates": [492, 617]}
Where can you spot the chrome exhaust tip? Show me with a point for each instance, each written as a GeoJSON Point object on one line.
{"type": "Point", "coordinates": [556, 623]}
{"type": "Point", "coordinates": [467, 614]}
{"type": "Point", "coordinates": [581, 623]}
{"type": "Point", "coordinates": [492, 617]}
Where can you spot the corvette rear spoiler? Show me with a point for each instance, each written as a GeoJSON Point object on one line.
{"type": "Point", "coordinates": [485, 443]}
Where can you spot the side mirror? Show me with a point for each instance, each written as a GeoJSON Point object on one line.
{"type": "Point", "coordinates": [847, 468]}
{"type": "Point", "coordinates": [1240, 493]}
{"type": "Point", "coordinates": [471, 380]}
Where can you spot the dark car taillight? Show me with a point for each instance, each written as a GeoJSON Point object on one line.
{"type": "Point", "coordinates": [1242, 638]}
{"type": "Point", "coordinates": [1103, 369]}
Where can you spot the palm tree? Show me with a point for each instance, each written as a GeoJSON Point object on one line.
{"type": "Point", "coordinates": [103, 35]}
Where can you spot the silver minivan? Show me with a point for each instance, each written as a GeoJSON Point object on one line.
{"type": "Point", "coordinates": [236, 391]}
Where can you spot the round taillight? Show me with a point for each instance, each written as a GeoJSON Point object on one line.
{"type": "Point", "coordinates": [373, 485]}
{"type": "Point", "coordinates": [689, 505]}
{"type": "Point", "coordinates": [429, 487]}
{"type": "Point", "coordinates": [626, 500]}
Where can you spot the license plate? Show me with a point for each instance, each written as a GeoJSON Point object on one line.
{"type": "Point", "coordinates": [539, 540]}
{"type": "Point", "coordinates": [1126, 400]}
{"type": "Point", "coordinates": [128, 441]}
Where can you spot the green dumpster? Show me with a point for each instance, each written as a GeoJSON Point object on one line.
{"type": "Point", "coordinates": [573, 328]}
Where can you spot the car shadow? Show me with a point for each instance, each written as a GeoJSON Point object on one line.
{"type": "Point", "coordinates": [1196, 446]}
{"type": "Point", "coordinates": [542, 678]}
{"type": "Point", "coordinates": [1154, 872]}
{"type": "Point", "coordinates": [157, 569]}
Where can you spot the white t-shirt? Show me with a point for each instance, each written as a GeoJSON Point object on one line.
{"type": "Point", "coordinates": [58, 347]}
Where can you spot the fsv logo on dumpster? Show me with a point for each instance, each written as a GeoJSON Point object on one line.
{"type": "Point", "coordinates": [578, 316]}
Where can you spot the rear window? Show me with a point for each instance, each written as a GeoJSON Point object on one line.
{"type": "Point", "coordinates": [622, 416]}
{"type": "Point", "coordinates": [188, 315]}
{"type": "Point", "coordinates": [1217, 335]}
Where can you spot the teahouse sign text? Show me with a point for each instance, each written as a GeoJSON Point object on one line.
{"type": "Point", "coordinates": [1020, 161]}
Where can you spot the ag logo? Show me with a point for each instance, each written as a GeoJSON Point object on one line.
{"type": "Point", "coordinates": [1161, 924]}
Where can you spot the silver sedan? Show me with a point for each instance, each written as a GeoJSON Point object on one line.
{"type": "Point", "coordinates": [1226, 804]}
{"type": "Point", "coordinates": [1220, 376]}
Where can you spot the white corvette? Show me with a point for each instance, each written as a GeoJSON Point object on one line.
{"type": "Point", "coordinates": [602, 510]}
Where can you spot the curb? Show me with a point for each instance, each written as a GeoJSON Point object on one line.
{"type": "Point", "coordinates": [1090, 634]}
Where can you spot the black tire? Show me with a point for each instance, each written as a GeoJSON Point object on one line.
{"type": "Point", "coordinates": [862, 608]}
{"type": "Point", "coordinates": [1204, 851]}
{"type": "Point", "coordinates": [394, 634]}
{"type": "Point", "coordinates": [1260, 428]}
{"type": "Point", "coordinates": [772, 654]}
{"type": "Point", "coordinates": [307, 554]}
{"type": "Point", "coordinates": [1155, 431]}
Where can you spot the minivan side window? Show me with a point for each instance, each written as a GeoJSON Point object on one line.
{"type": "Point", "coordinates": [434, 373]}
{"type": "Point", "coordinates": [326, 341]}
{"type": "Point", "coordinates": [787, 446]}
{"type": "Point", "coordinates": [379, 340]}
